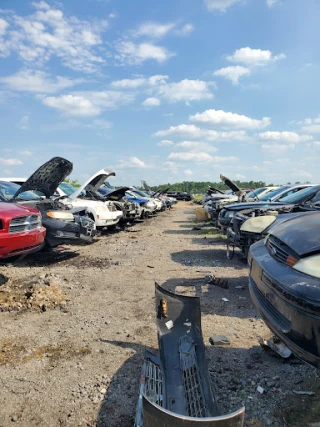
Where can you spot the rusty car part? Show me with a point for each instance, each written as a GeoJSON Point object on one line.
{"type": "Point", "coordinates": [175, 388]}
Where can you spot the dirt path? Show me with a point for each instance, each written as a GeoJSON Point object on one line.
{"type": "Point", "coordinates": [72, 344]}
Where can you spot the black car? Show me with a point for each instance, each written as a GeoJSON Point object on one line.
{"type": "Point", "coordinates": [62, 224]}
{"type": "Point", "coordinates": [180, 195]}
{"type": "Point", "coordinates": [310, 195]}
{"type": "Point", "coordinates": [284, 283]}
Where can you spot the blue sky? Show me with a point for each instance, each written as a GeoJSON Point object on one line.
{"type": "Point", "coordinates": [164, 91]}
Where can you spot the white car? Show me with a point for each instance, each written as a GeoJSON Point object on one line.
{"type": "Point", "coordinates": [140, 193]}
{"type": "Point", "coordinates": [104, 213]}
{"type": "Point", "coordinates": [257, 193]}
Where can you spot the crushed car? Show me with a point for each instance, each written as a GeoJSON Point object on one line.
{"type": "Point", "coordinates": [175, 388]}
{"type": "Point", "coordinates": [130, 210]}
{"type": "Point", "coordinates": [284, 283]}
{"type": "Point", "coordinates": [147, 206]}
{"type": "Point", "coordinates": [300, 200]}
{"type": "Point", "coordinates": [21, 230]}
{"type": "Point", "coordinates": [62, 224]}
{"type": "Point", "coordinates": [103, 213]}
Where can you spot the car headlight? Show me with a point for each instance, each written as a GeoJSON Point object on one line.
{"type": "Point", "coordinates": [101, 209]}
{"type": "Point", "coordinates": [257, 224]}
{"type": "Point", "coordinates": [229, 214]}
{"type": "Point", "coordinates": [309, 266]}
{"type": "Point", "coordinates": [62, 215]}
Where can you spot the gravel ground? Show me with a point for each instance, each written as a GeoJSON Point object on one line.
{"type": "Point", "coordinates": [75, 325]}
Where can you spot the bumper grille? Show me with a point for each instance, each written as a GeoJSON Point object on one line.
{"type": "Point", "coordinates": [269, 309]}
{"type": "Point", "coordinates": [154, 383]}
{"type": "Point", "coordinates": [196, 406]}
{"type": "Point", "coordinates": [279, 250]}
{"type": "Point", "coordinates": [22, 224]}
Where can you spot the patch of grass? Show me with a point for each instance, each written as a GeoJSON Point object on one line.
{"type": "Point", "coordinates": [211, 231]}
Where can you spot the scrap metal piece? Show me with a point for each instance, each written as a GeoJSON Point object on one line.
{"type": "Point", "coordinates": [175, 388]}
{"type": "Point", "coordinates": [219, 340]}
{"type": "Point", "coordinates": [275, 347]}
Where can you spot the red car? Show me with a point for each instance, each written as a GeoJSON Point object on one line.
{"type": "Point", "coordinates": [21, 230]}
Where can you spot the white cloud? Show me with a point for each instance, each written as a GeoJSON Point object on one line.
{"type": "Point", "coordinates": [171, 166]}
{"type": "Point", "coordinates": [186, 90]}
{"type": "Point", "coordinates": [10, 162]}
{"type": "Point", "coordinates": [254, 57]}
{"type": "Point", "coordinates": [271, 3]}
{"type": "Point", "coordinates": [314, 144]}
{"type": "Point", "coordinates": [133, 162]}
{"type": "Point", "coordinates": [23, 123]}
{"type": "Point", "coordinates": [290, 137]}
{"type": "Point", "coordinates": [240, 177]}
{"type": "Point", "coordinates": [165, 143]}
{"type": "Point", "coordinates": [191, 156]}
{"type": "Point", "coordinates": [196, 146]}
{"type": "Point", "coordinates": [151, 102]}
{"type": "Point", "coordinates": [139, 81]}
{"type": "Point", "coordinates": [200, 157]}
{"type": "Point", "coordinates": [154, 30]}
{"type": "Point", "coordinates": [107, 99]}
{"type": "Point", "coordinates": [130, 53]}
{"type": "Point", "coordinates": [311, 125]}
{"type": "Point", "coordinates": [229, 120]}
{"type": "Point", "coordinates": [277, 149]}
{"type": "Point", "coordinates": [37, 81]}
{"type": "Point", "coordinates": [220, 5]}
{"type": "Point", "coordinates": [185, 30]}
{"type": "Point", "coordinates": [188, 172]}
{"type": "Point", "coordinates": [72, 105]}
{"type": "Point", "coordinates": [193, 132]}
{"type": "Point", "coordinates": [233, 73]}
{"type": "Point", "coordinates": [49, 33]}
{"type": "Point", "coordinates": [25, 153]}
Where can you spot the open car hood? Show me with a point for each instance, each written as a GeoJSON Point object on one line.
{"type": "Point", "coordinates": [175, 388]}
{"type": "Point", "coordinates": [93, 183]}
{"type": "Point", "coordinates": [116, 194]}
{"type": "Point", "coordinates": [146, 186]}
{"type": "Point", "coordinates": [230, 184]}
{"type": "Point", "coordinates": [47, 177]}
{"type": "Point", "coordinates": [300, 233]}
{"type": "Point", "coordinates": [213, 190]}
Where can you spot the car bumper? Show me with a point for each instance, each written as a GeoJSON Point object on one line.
{"type": "Point", "coordinates": [108, 219]}
{"type": "Point", "coordinates": [280, 295]}
{"type": "Point", "coordinates": [21, 243]}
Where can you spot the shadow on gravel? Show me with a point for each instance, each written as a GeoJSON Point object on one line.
{"type": "Point", "coordinates": [42, 259]}
{"type": "Point", "coordinates": [212, 257]}
{"type": "Point", "coordinates": [187, 232]}
{"type": "Point", "coordinates": [119, 403]}
{"type": "Point", "coordinates": [239, 305]}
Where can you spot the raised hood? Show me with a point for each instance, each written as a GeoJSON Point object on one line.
{"type": "Point", "coordinates": [212, 190]}
{"type": "Point", "coordinates": [230, 184]}
{"type": "Point", "coordinates": [47, 178]}
{"type": "Point", "coordinates": [116, 194]}
{"type": "Point", "coordinates": [146, 186]}
{"type": "Point", "coordinates": [300, 233]}
{"type": "Point", "coordinates": [93, 183]}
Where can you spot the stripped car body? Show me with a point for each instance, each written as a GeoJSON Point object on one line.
{"type": "Point", "coordinates": [103, 213]}
{"type": "Point", "coordinates": [61, 224]}
{"type": "Point", "coordinates": [130, 210]}
{"type": "Point", "coordinates": [284, 283]}
{"type": "Point", "coordinates": [21, 230]}
{"type": "Point", "coordinates": [175, 386]}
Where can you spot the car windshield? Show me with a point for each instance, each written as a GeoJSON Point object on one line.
{"type": "Point", "coordinates": [256, 192]}
{"type": "Point", "coordinates": [9, 189]}
{"type": "Point", "coordinates": [301, 195]}
{"type": "Point", "coordinates": [130, 194]}
{"type": "Point", "coordinates": [104, 190]}
{"type": "Point", "coordinates": [67, 188]}
{"type": "Point", "coordinates": [141, 193]}
{"type": "Point", "coordinates": [272, 194]}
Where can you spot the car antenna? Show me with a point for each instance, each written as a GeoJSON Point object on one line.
{"type": "Point", "coordinates": [255, 195]}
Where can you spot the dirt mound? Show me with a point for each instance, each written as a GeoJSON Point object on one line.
{"type": "Point", "coordinates": [35, 293]}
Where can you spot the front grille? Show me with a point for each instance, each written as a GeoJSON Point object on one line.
{"type": "Point", "coordinates": [277, 318]}
{"type": "Point", "coordinates": [279, 250]}
{"type": "Point", "coordinates": [196, 406]}
{"type": "Point", "coordinates": [21, 224]}
{"type": "Point", "coordinates": [153, 383]}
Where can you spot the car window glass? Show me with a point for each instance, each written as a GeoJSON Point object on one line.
{"type": "Point", "coordinates": [315, 198]}
{"type": "Point", "coordinates": [9, 189]}
{"type": "Point", "coordinates": [299, 196]}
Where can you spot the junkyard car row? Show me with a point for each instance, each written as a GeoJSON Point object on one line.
{"type": "Point", "coordinates": [43, 211]}
{"type": "Point", "coordinates": [275, 229]}
{"type": "Point", "coordinates": [279, 236]}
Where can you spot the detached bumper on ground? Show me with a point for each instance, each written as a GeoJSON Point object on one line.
{"type": "Point", "coordinates": [288, 303]}
{"type": "Point", "coordinates": [175, 387]}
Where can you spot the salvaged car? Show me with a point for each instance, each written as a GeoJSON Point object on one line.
{"type": "Point", "coordinates": [153, 203]}
{"type": "Point", "coordinates": [21, 230]}
{"type": "Point", "coordinates": [103, 213]}
{"type": "Point", "coordinates": [284, 283]}
{"type": "Point", "coordinates": [281, 192]}
{"type": "Point", "coordinates": [180, 195]}
{"type": "Point", "coordinates": [147, 207]}
{"type": "Point", "coordinates": [130, 210]}
{"type": "Point", "coordinates": [175, 388]}
{"type": "Point", "coordinates": [62, 224]}
{"type": "Point", "coordinates": [307, 196]}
